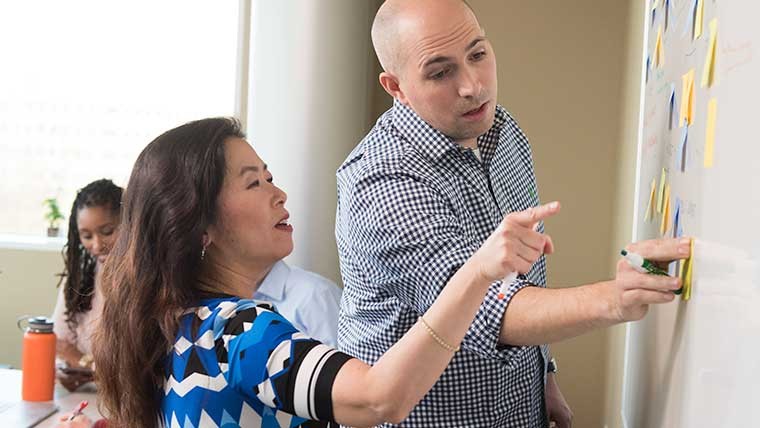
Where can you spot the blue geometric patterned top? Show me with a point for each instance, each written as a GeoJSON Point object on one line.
{"type": "Point", "coordinates": [238, 363]}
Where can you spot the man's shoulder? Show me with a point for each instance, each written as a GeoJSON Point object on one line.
{"type": "Point", "coordinates": [384, 150]}
{"type": "Point", "coordinates": [509, 125]}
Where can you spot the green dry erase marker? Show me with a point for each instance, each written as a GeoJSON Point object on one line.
{"type": "Point", "coordinates": [645, 266]}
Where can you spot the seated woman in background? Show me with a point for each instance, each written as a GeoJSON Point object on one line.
{"type": "Point", "coordinates": [93, 224]}
{"type": "Point", "coordinates": [181, 344]}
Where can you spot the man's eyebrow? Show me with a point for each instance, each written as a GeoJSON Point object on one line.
{"type": "Point", "coordinates": [440, 59]}
{"type": "Point", "coordinates": [475, 42]}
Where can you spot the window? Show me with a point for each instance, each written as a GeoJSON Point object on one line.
{"type": "Point", "coordinates": [86, 85]}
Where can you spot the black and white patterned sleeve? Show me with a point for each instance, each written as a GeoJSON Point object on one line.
{"type": "Point", "coordinates": [271, 361]}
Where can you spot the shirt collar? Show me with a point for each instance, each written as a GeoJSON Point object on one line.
{"type": "Point", "coordinates": [273, 285]}
{"type": "Point", "coordinates": [429, 141]}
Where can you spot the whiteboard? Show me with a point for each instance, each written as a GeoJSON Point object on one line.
{"type": "Point", "coordinates": [696, 363]}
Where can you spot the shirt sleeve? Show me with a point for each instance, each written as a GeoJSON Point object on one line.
{"type": "Point", "coordinates": [60, 326]}
{"type": "Point", "coordinates": [413, 242]}
{"type": "Point", "coordinates": [321, 313]}
{"type": "Point", "coordinates": [272, 362]}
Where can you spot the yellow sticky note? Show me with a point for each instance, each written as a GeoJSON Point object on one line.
{"type": "Point", "coordinates": [686, 273]}
{"type": "Point", "coordinates": [661, 193]}
{"type": "Point", "coordinates": [665, 223]}
{"type": "Point", "coordinates": [712, 115]}
{"type": "Point", "coordinates": [650, 205]}
{"type": "Point", "coordinates": [687, 98]}
{"type": "Point", "coordinates": [659, 51]}
{"type": "Point", "coordinates": [708, 72]}
{"type": "Point", "coordinates": [699, 18]}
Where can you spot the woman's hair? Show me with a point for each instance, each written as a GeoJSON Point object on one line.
{"type": "Point", "coordinates": [151, 277]}
{"type": "Point", "coordinates": [78, 277]}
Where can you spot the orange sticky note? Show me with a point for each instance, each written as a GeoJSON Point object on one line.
{"type": "Point", "coordinates": [708, 72]}
{"type": "Point", "coordinates": [699, 18]}
{"type": "Point", "coordinates": [651, 205]}
{"type": "Point", "coordinates": [712, 115]}
{"type": "Point", "coordinates": [665, 223]}
{"type": "Point", "coordinates": [659, 51]}
{"type": "Point", "coordinates": [687, 98]}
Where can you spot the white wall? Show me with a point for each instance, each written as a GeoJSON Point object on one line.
{"type": "Point", "coordinates": [311, 74]}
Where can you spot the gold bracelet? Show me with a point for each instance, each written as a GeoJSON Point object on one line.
{"type": "Point", "coordinates": [437, 338]}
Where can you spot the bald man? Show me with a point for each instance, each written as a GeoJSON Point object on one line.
{"type": "Point", "coordinates": [436, 177]}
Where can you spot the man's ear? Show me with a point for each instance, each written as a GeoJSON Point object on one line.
{"type": "Point", "coordinates": [390, 83]}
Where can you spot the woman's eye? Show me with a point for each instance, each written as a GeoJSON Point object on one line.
{"type": "Point", "coordinates": [254, 184]}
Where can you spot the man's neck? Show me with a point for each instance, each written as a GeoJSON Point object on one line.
{"type": "Point", "coordinates": [470, 143]}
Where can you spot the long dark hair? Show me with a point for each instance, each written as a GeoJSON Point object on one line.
{"type": "Point", "coordinates": [151, 276]}
{"type": "Point", "coordinates": [78, 277]}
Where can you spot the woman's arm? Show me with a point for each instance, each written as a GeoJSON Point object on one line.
{"type": "Point", "coordinates": [365, 395]}
{"type": "Point", "coordinates": [68, 352]}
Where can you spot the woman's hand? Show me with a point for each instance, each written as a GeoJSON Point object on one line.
{"type": "Point", "coordinates": [73, 378]}
{"type": "Point", "coordinates": [80, 421]}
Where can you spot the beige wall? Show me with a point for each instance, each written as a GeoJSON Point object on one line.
{"type": "Point", "coordinates": [28, 283]}
{"type": "Point", "coordinates": [564, 74]}
{"type": "Point", "coordinates": [625, 184]}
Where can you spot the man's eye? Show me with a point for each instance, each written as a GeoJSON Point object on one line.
{"type": "Point", "coordinates": [440, 75]}
{"type": "Point", "coordinates": [254, 184]}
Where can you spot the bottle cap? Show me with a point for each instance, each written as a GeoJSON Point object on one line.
{"type": "Point", "coordinates": [36, 324]}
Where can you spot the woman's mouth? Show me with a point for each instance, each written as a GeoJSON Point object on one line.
{"type": "Point", "coordinates": [284, 226]}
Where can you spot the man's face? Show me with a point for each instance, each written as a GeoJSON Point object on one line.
{"type": "Point", "coordinates": [448, 74]}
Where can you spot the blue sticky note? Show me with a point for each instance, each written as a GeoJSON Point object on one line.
{"type": "Point", "coordinates": [667, 13]}
{"type": "Point", "coordinates": [691, 16]}
{"type": "Point", "coordinates": [649, 61]}
{"type": "Point", "coordinates": [677, 226]}
{"type": "Point", "coordinates": [672, 119]}
{"type": "Point", "coordinates": [681, 157]}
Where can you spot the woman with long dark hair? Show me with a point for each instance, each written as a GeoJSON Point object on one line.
{"type": "Point", "coordinates": [93, 225]}
{"type": "Point", "coordinates": [181, 344]}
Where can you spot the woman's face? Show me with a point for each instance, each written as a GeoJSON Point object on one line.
{"type": "Point", "coordinates": [97, 230]}
{"type": "Point", "coordinates": [252, 226]}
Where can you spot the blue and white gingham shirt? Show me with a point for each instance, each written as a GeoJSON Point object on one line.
{"type": "Point", "coordinates": [413, 206]}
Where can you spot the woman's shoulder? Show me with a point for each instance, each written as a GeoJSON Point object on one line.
{"type": "Point", "coordinates": [229, 315]}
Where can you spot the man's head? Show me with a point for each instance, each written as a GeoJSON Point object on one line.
{"type": "Point", "coordinates": [437, 61]}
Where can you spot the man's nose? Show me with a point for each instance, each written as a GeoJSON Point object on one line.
{"type": "Point", "coordinates": [469, 84]}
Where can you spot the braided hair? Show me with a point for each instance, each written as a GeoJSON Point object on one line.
{"type": "Point", "coordinates": [78, 277]}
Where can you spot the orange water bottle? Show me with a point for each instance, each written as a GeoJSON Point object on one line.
{"type": "Point", "coordinates": [37, 359]}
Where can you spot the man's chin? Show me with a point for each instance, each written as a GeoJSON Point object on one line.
{"type": "Point", "coordinates": [471, 130]}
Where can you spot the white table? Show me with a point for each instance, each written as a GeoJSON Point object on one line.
{"type": "Point", "coordinates": [10, 387]}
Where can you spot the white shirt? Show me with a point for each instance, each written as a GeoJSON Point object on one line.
{"type": "Point", "coordinates": [88, 321]}
{"type": "Point", "coordinates": [309, 301]}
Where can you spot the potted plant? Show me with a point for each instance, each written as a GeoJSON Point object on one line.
{"type": "Point", "coordinates": [53, 216]}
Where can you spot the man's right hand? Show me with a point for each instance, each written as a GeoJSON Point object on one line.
{"type": "Point", "coordinates": [515, 245]}
{"type": "Point", "coordinates": [633, 292]}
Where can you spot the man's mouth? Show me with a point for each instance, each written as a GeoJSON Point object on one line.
{"type": "Point", "coordinates": [476, 111]}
